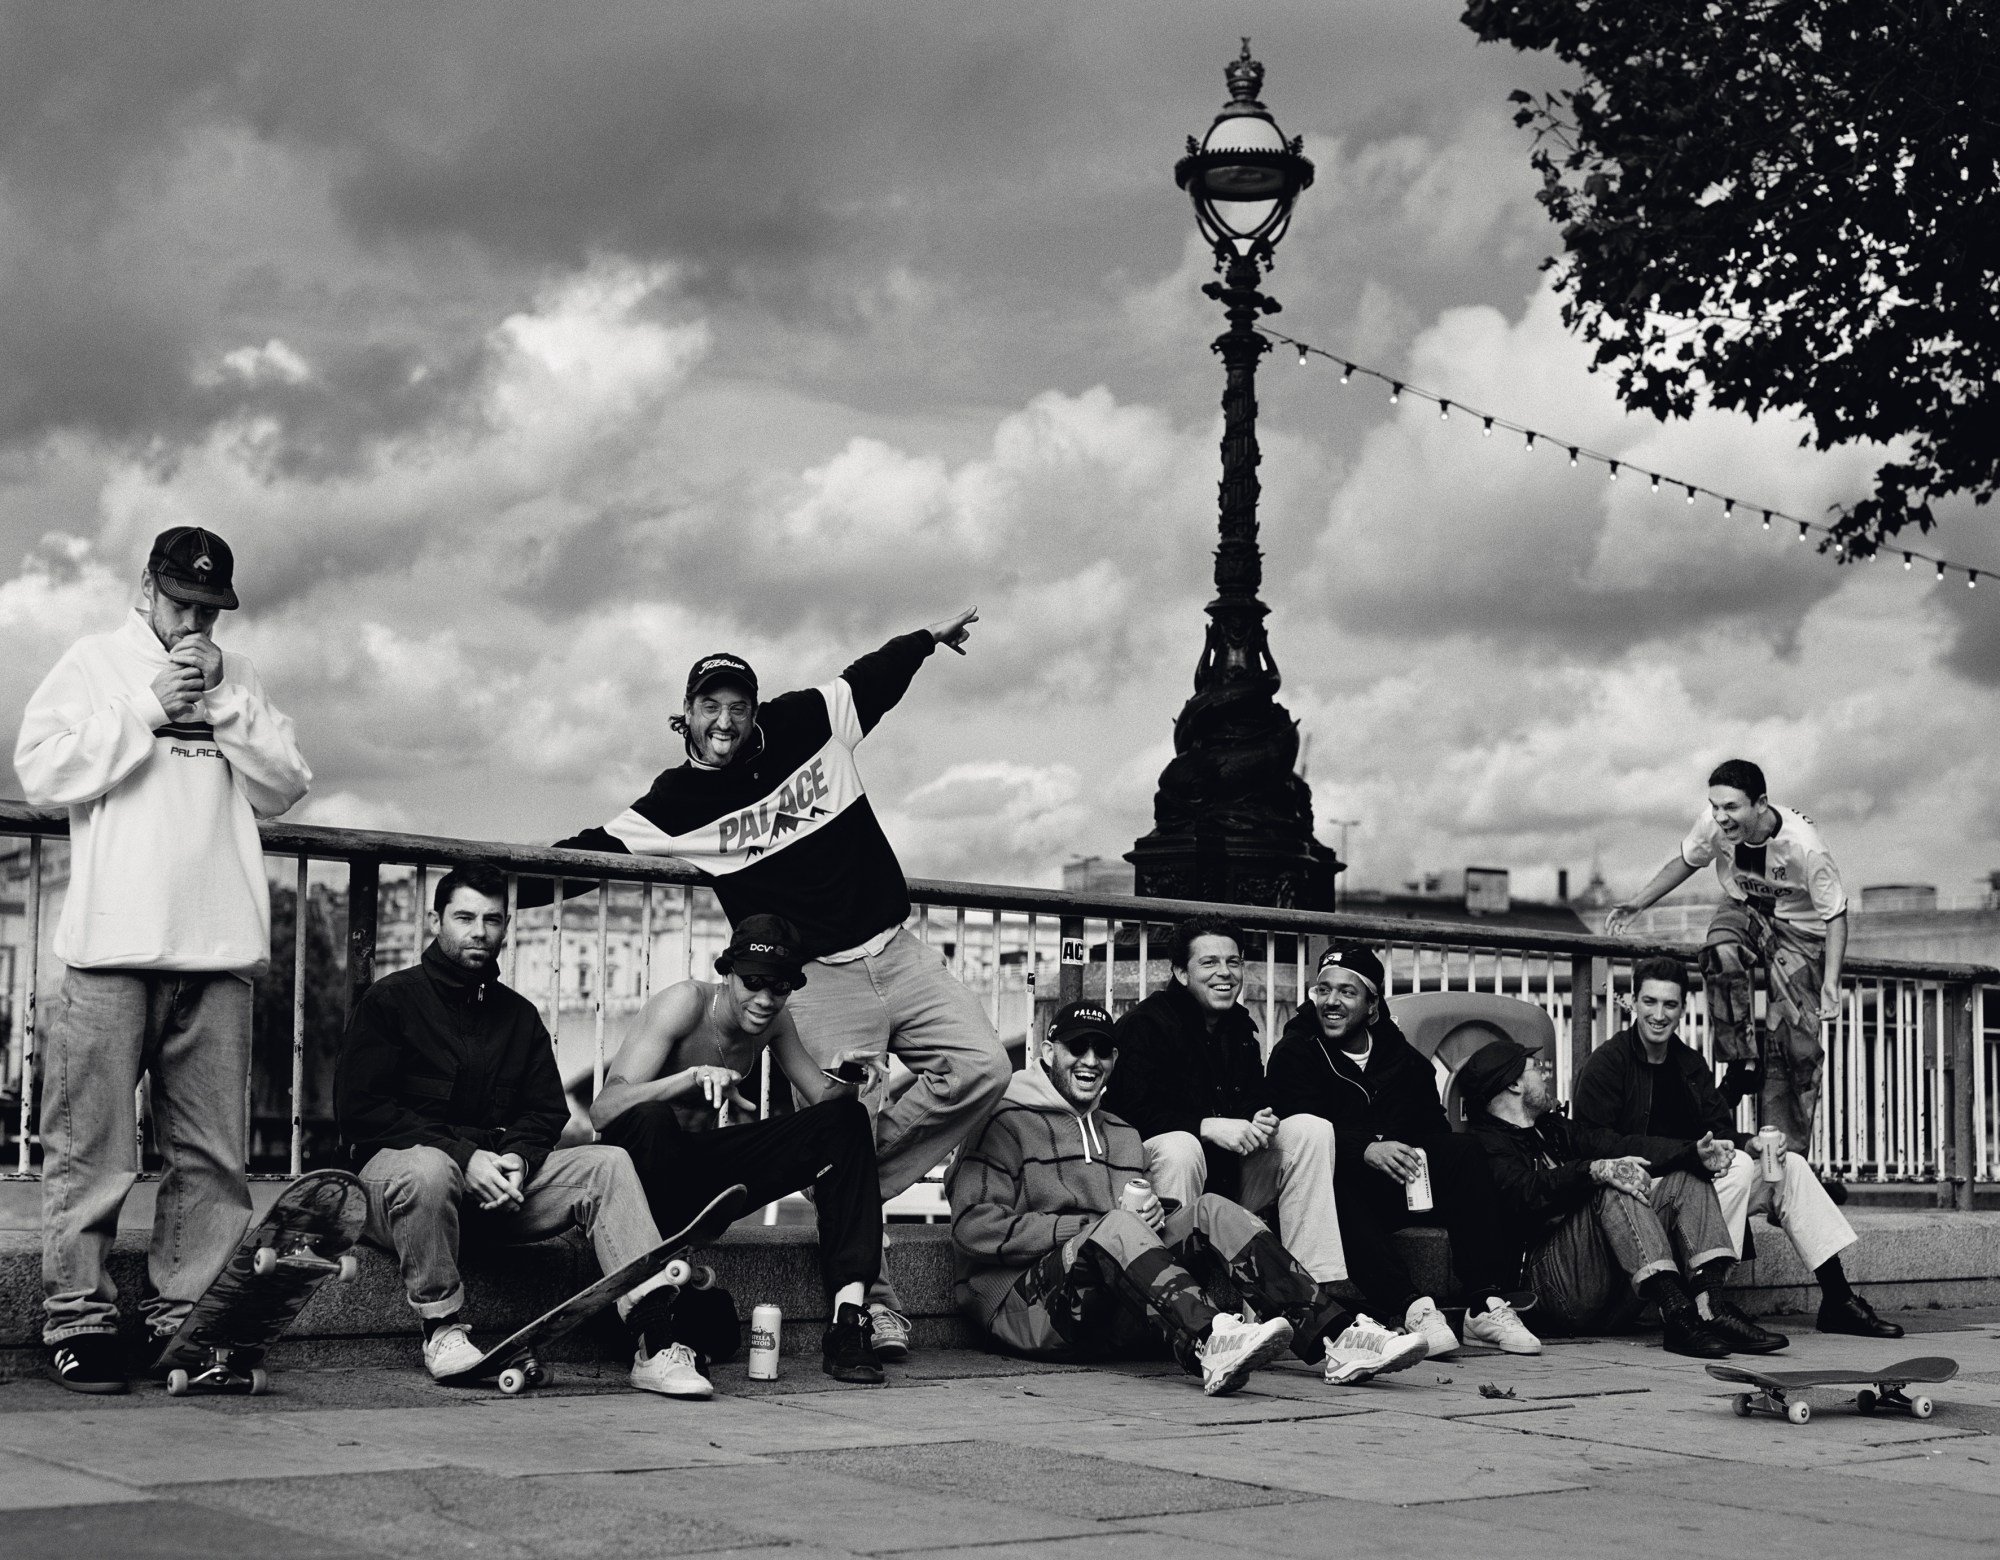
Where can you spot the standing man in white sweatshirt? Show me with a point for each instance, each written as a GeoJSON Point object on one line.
{"type": "Point", "coordinates": [166, 752]}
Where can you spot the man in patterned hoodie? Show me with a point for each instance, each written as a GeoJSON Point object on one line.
{"type": "Point", "coordinates": [1065, 1251]}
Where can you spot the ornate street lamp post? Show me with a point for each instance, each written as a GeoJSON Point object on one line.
{"type": "Point", "coordinates": [1232, 819]}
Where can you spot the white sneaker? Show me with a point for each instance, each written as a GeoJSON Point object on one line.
{"type": "Point", "coordinates": [672, 1373]}
{"type": "Point", "coordinates": [450, 1350]}
{"type": "Point", "coordinates": [888, 1332]}
{"type": "Point", "coordinates": [1236, 1347]}
{"type": "Point", "coordinates": [1423, 1317]}
{"type": "Point", "coordinates": [1368, 1348]}
{"type": "Point", "coordinates": [1499, 1327]}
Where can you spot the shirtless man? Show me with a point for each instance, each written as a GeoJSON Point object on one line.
{"type": "Point", "coordinates": [695, 1042]}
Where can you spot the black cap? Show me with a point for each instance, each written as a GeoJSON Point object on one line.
{"type": "Point", "coordinates": [1356, 961]}
{"type": "Point", "coordinates": [194, 565]}
{"type": "Point", "coordinates": [1080, 1020]}
{"type": "Point", "coordinates": [763, 945]}
{"type": "Point", "coordinates": [721, 667]}
{"type": "Point", "coordinates": [1492, 1068]}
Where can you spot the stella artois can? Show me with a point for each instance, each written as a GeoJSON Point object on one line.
{"type": "Point", "coordinates": [767, 1329]}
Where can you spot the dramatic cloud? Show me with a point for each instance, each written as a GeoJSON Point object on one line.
{"type": "Point", "coordinates": [523, 358]}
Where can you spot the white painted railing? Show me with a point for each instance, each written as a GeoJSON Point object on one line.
{"type": "Point", "coordinates": [1894, 1110]}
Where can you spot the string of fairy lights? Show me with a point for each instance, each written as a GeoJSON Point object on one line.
{"type": "Point", "coordinates": [1615, 466]}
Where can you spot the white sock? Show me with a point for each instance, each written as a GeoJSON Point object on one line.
{"type": "Point", "coordinates": [1703, 1305]}
{"type": "Point", "coordinates": [849, 1294]}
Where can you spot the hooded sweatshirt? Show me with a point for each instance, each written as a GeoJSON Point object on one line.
{"type": "Point", "coordinates": [1040, 1172]}
{"type": "Point", "coordinates": [166, 867]}
{"type": "Point", "coordinates": [1395, 1096]}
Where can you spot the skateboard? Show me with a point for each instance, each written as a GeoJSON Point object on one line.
{"type": "Point", "coordinates": [276, 1268]}
{"type": "Point", "coordinates": [1792, 1392]}
{"type": "Point", "coordinates": [512, 1365]}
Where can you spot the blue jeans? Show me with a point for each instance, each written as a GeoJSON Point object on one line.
{"type": "Point", "coordinates": [192, 1034]}
{"type": "Point", "coordinates": [417, 1204]}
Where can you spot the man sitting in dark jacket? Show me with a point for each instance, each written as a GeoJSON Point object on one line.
{"type": "Point", "coordinates": [1646, 1080]}
{"type": "Point", "coordinates": [1191, 1080]}
{"type": "Point", "coordinates": [1584, 1212]}
{"type": "Point", "coordinates": [1344, 1059]}
{"type": "Point", "coordinates": [450, 1104]}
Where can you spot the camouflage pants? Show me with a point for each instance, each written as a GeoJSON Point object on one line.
{"type": "Point", "coordinates": [1120, 1286]}
{"type": "Point", "coordinates": [1744, 939]}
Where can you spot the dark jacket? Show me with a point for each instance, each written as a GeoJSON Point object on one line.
{"type": "Point", "coordinates": [1172, 1072]}
{"type": "Point", "coordinates": [436, 1055]}
{"type": "Point", "coordinates": [1395, 1098]}
{"type": "Point", "coordinates": [1543, 1172]}
{"type": "Point", "coordinates": [1615, 1091]}
{"type": "Point", "coordinates": [786, 828]}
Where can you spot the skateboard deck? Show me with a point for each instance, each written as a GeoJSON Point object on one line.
{"type": "Point", "coordinates": [299, 1244]}
{"type": "Point", "coordinates": [1793, 1392]}
{"type": "Point", "coordinates": [511, 1364]}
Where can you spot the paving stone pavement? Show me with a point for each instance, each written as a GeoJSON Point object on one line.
{"type": "Point", "coordinates": [1606, 1445]}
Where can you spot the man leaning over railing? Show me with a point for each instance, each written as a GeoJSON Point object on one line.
{"type": "Point", "coordinates": [166, 752]}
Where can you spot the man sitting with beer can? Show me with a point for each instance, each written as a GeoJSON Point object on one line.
{"type": "Point", "coordinates": [1066, 1252]}
{"type": "Point", "coordinates": [1397, 1161]}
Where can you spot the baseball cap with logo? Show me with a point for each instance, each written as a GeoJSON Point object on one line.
{"type": "Point", "coordinates": [763, 945]}
{"type": "Point", "coordinates": [721, 667]}
{"type": "Point", "coordinates": [1356, 961]}
{"type": "Point", "coordinates": [1082, 1021]}
{"type": "Point", "coordinates": [193, 565]}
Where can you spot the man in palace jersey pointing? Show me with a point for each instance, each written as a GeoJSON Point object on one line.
{"type": "Point", "coordinates": [770, 803]}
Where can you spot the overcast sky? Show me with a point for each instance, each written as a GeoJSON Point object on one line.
{"type": "Point", "coordinates": [524, 353]}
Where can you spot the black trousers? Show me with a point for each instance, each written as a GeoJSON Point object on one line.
{"type": "Point", "coordinates": [1463, 1199]}
{"type": "Point", "coordinates": [829, 1146]}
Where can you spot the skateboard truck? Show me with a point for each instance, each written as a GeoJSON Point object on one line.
{"type": "Point", "coordinates": [300, 1256]}
{"type": "Point", "coordinates": [219, 1374]}
{"type": "Point", "coordinates": [1797, 1407]}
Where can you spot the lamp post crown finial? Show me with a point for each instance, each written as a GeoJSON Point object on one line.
{"type": "Point", "coordinates": [1246, 79]}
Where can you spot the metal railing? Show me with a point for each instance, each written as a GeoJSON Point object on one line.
{"type": "Point", "coordinates": [1910, 1089]}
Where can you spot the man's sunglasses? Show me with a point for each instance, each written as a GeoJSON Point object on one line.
{"type": "Point", "coordinates": [770, 983]}
{"type": "Point", "coordinates": [1087, 1045]}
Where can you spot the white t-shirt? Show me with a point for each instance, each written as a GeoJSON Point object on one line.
{"type": "Point", "coordinates": [1791, 874]}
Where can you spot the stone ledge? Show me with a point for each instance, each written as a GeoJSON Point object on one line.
{"type": "Point", "coordinates": [1907, 1259]}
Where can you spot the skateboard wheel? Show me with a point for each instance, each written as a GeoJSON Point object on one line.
{"type": "Point", "coordinates": [513, 1381]}
{"type": "Point", "coordinates": [1798, 1413]}
{"type": "Point", "coordinates": [265, 1262]}
{"type": "Point", "coordinates": [1921, 1406]}
{"type": "Point", "coordinates": [260, 1382]}
{"type": "Point", "coordinates": [1866, 1400]}
{"type": "Point", "coordinates": [704, 1278]}
{"type": "Point", "coordinates": [1740, 1405]}
{"type": "Point", "coordinates": [677, 1273]}
{"type": "Point", "coordinates": [350, 1265]}
{"type": "Point", "coordinates": [536, 1372]}
{"type": "Point", "coordinates": [177, 1383]}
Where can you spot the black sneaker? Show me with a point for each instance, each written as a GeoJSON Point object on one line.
{"type": "Point", "coordinates": [846, 1354]}
{"type": "Point", "coordinates": [1741, 1334]}
{"type": "Point", "coordinates": [89, 1362]}
{"type": "Point", "coordinates": [1856, 1317]}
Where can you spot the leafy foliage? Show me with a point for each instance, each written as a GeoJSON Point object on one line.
{"type": "Point", "coordinates": [1785, 205]}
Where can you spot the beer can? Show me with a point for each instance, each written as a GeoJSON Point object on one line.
{"type": "Point", "coordinates": [1137, 1190]}
{"type": "Point", "coordinates": [767, 1327]}
{"type": "Point", "coordinates": [1770, 1140]}
{"type": "Point", "coordinates": [1417, 1190]}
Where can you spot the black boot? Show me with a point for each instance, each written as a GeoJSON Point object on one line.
{"type": "Point", "coordinates": [1856, 1316]}
{"type": "Point", "coordinates": [1686, 1330]}
{"type": "Point", "coordinates": [1737, 1330]}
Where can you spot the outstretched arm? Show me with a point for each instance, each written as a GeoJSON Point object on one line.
{"type": "Point", "coordinates": [1665, 881]}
